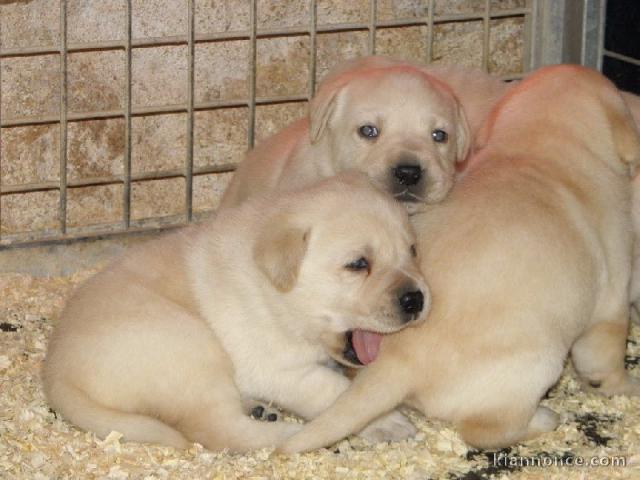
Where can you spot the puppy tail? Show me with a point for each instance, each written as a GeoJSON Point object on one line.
{"type": "Point", "coordinates": [370, 396]}
{"type": "Point", "coordinates": [81, 410]}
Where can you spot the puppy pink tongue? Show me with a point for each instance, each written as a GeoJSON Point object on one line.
{"type": "Point", "coordinates": [366, 344]}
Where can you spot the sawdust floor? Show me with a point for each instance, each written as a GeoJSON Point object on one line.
{"type": "Point", "coordinates": [36, 444]}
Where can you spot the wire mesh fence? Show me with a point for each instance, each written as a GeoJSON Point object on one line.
{"type": "Point", "coordinates": [58, 204]}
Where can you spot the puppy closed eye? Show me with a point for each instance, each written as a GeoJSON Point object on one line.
{"type": "Point", "coordinates": [359, 265]}
{"type": "Point", "coordinates": [414, 251]}
{"type": "Point", "coordinates": [439, 136]}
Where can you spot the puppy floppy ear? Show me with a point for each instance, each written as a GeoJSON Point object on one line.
{"type": "Point", "coordinates": [623, 128]}
{"type": "Point", "coordinates": [321, 108]}
{"type": "Point", "coordinates": [463, 136]}
{"type": "Point", "coordinates": [279, 250]}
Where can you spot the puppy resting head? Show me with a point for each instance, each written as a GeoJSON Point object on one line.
{"type": "Point", "coordinates": [401, 126]}
{"type": "Point", "coordinates": [341, 256]}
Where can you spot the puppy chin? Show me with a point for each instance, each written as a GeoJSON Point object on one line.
{"type": "Point", "coordinates": [412, 207]}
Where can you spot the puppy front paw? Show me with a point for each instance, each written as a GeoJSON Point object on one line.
{"type": "Point", "coordinates": [393, 426]}
{"type": "Point", "coordinates": [261, 411]}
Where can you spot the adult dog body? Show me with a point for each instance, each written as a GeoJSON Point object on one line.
{"type": "Point", "coordinates": [169, 343]}
{"type": "Point", "coordinates": [528, 260]}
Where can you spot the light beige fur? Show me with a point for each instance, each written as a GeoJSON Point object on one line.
{"type": "Point", "coordinates": [168, 343]}
{"type": "Point", "coordinates": [633, 101]}
{"type": "Point", "coordinates": [290, 158]}
{"type": "Point", "coordinates": [406, 103]}
{"type": "Point", "coordinates": [528, 260]}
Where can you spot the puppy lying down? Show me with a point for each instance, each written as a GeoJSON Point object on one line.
{"type": "Point", "coordinates": [392, 120]}
{"type": "Point", "coordinates": [169, 344]}
{"type": "Point", "coordinates": [528, 260]}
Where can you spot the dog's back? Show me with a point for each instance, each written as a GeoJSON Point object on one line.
{"type": "Point", "coordinates": [528, 257]}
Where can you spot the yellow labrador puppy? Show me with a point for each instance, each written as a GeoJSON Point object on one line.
{"type": "Point", "coordinates": [170, 342]}
{"type": "Point", "coordinates": [391, 120]}
{"type": "Point", "coordinates": [528, 260]}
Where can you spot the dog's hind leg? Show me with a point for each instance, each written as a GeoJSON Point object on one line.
{"type": "Point", "coordinates": [503, 427]}
{"type": "Point", "coordinates": [598, 357]}
{"type": "Point", "coordinates": [77, 407]}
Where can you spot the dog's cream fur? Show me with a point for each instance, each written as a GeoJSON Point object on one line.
{"type": "Point", "coordinates": [169, 342]}
{"type": "Point", "coordinates": [290, 157]}
{"type": "Point", "coordinates": [404, 101]}
{"type": "Point", "coordinates": [528, 260]}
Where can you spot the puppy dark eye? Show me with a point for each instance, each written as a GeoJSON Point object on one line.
{"type": "Point", "coordinates": [368, 131]}
{"type": "Point", "coordinates": [357, 265]}
{"type": "Point", "coordinates": [414, 252]}
{"type": "Point", "coordinates": [440, 136]}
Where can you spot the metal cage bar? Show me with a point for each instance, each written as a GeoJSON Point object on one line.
{"type": "Point", "coordinates": [530, 13]}
{"type": "Point", "coordinates": [373, 15]}
{"type": "Point", "coordinates": [190, 115]}
{"type": "Point", "coordinates": [62, 205]}
{"type": "Point", "coordinates": [253, 52]}
{"type": "Point", "coordinates": [126, 189]}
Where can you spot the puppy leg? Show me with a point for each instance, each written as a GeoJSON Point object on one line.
{"type": "Point", "coordinates": [369, 397]}
{"type": "Point", "coordinates": [503, 427]}
{"type": "Point", "coordinates": [317, 391]}
{"type": "Point", "coordinates": [218, 427]}
{"type": "Point", "coordinates": [598, 356]}
{"type": "Point", "coordinates": [393, 426]}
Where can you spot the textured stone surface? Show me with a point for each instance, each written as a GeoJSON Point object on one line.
{"type": "Point", "coordinates": [408, 43]}
{"type": "Point", "coordinates": [506, 45]}
{"type": "Point", "coordinates": [397, 9]}
{"type": "Point", "coordinates": [458, 43]}
{"type": "Point", "coordinates": [96, 82]}
{"type": "Point", "coordinates": [222, 71]}
{"type": "Point", "coordinates": [334, 48]}
{"type": "Point", "coordinates": [157, 198]}
{"type": "Point", "coordinates": [31, 155]}
{"type": "Point", "coordinates": [221, 15]}
{"type": "Point", "coordinates": [96, 20]}
{"type": "Point", "coordinates": [339, 11]}
{"type": "Point", "coordinates": [34, 23]}
{"type": "Point", "coordinates": [291, 13]}
{"type": "Point", "coordinates": [158, 143]}
{"type": "Point", "coordinates": [220, 136]}
{"type": "Point", "coordinates": [95, 148]}
{"type": "Point", "coordinates": [94, 205]}
{"type": "Point", "coordinates": [30, 86]}
{"type": "Point", "coordinates": [507, 4]}
{"type": "Point", "coordinates": [282, 66]}
{"type": "Point", "coordinates": [271, 118]}
{"type": "Point", "coordinates": [158, 18]}
{"type": "Point", "coordinates": [29, 212]}
{"type": "Point", "coordinates": [159, 75]}
{"type": "Point", "coordinates": [443, 7]}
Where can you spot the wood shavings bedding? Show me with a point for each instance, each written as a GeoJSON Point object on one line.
{"type": "Point", "coordinates": [36, 444]}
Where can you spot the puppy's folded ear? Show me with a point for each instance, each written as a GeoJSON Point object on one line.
{"type": "Point", "coordinates": [321, 108]}
{"type": "Point", "coordinates": [623, 128]}
{"type": "Point", "coordinates": [279, 251]}
{"type": "Point", "coordinates": [463, 136]}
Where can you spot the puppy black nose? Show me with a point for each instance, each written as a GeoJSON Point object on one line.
{"type": "Point", "coordinates": [408, 174]}
{"type": "Point", "coordinates": [412, 302]}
